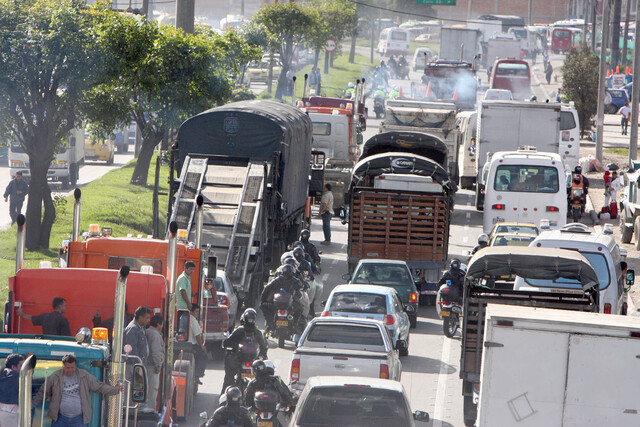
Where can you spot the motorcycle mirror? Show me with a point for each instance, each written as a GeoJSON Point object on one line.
{"type": "Point", "coordinates": [346, 277]}
{"type": "Point", "coordinates": [204, 415]}
{"type": "Point", "coordinates": [323, 303]}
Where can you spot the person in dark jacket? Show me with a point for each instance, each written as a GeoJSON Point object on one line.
{"type": "Point", "coordinates": [231, 413]}
{"type": "Point", "coordinates": [455, 275]}
{"type": "Point", "coordinates": [16, 191]}
{"type": "Point", "coordinates": [9, 387]}
{"type": "Point", "coordinates": [53, 323]}
{"type": "Point", "coordinates": [134, 334]}
{"type": "Point", "coordinates": [265, 381]}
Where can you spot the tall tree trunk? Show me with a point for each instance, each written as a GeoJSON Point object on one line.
{"type": "Point", "coordinates": [37, 231]}
{"type": "Point", "coordinates": [316, 58]}
{"type": "Point", "coordinates": [141, 170]}
{"type": "Point", "coordinates": [48, 217]}
{"type": "Point", "coordinates": [615, 33]}
{"type": "Point", "coordinates": [282, 81]}
{"type": "Point", "coordinates": [352, 52]}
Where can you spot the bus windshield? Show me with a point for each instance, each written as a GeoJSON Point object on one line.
{"type": "Point", "coordinates": [563, 34]}
{"type": "Point", "coordinates": [526, 178]}
{"type": "Point", "coordinates": [512, 69]}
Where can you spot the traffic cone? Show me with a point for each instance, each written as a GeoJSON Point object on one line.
{"type": "Point", "coordinates": [455, 95]}
{"type": "Point", "coordinates": [608, 73]}
{"type": "Point", "coordinates": [429, 93]}
{"type": "Point", "coordinates": [617, 69]}
{"type": "Point", "coordinates": [626, 70]}
{"type": "Point", "coordinates": [400, 93]}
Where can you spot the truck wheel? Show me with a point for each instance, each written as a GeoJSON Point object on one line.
{"type": "Point", "coordinates": [479, 199]}
{"type": "Point", "coordinates": [405, 352]}
{"type": "Point", "coordinates": [627, 232]}
{"type": "Point", "coordinates": [470, 411]}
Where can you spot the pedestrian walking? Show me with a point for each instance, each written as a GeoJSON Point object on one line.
{"type": "Point", "coordinates": [15, 192]}
{"type": "Point", "coordinates": [155, 360]}
{"type": "Point", "coordinates": [69, 393]}
{"type": "Point", "coordinates": [545, 60]}
{"type": "Point", "coordinates": [326, 212]}
{"type": "Point", "coordinates": [9, 390]}
{"type": "Point", "coordinates": [624, 111]}
{"type": "Point", "coordinates": [548, 71]}
{"type": "Point", "coordinates": [135, 336]}
{"type": "Point", "coordinates": [53, 323]}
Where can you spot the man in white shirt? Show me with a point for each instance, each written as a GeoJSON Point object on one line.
{"type": "Point", "coordinates": [625, 111]}
{"type": "Point", "coordinates": [326, 212]}
{"type": "Point", "coordinates": [616, 185]}
{"type": "Point", "coordinates": [197, 339]}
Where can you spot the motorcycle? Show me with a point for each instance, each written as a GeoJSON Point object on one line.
{"type": "Point", "coordinates": [577, 204]}
{"type": "Point", "coordinates": [449, 309]}
{"type": "Point", "coordinates": [285, 322]}
{"type": "Point", "coordinates": [267, 407]}
{"type": "Point", "coordinates": [247, 352]}
{"type": "Point", "coordinates": [403, 71]}
{"type": "Point", "coordinates": [378, 105]}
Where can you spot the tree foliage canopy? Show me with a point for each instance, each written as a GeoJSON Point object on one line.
{"type": "Point", "coordinates": [580, 84]}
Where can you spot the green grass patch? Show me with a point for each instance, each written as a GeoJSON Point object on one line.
{"type": "Point", "coordinates": [618, 151]}
{"type": "Point", "coordinates": [109, 201]}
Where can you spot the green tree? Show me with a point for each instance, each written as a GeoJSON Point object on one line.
{"type": "Point", "coordinates": [159, 76]}
{"type": "Point", "coordinates": [337, 19]}
{"type": "Point", "coordinates": [47, 52]}
{"type": "Point", "coordinates": [580, 84]}
{"type": "Point", "coordinates": [287, 25]}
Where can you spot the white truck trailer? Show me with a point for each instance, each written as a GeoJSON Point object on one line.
{"type": "Point", "coordinates": [459, 43]}
{"type": "Point", "coordinates": [548, 367]}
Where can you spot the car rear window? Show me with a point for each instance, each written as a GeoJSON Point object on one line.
{"type": "Point", "coordinates": [346, 334]}
{"type": "Point", "coordinates": [383, 274]}
{"type": "Point", "coordinates": [358, 302]}
{"type": "Point", "coordinates": [354, 406]}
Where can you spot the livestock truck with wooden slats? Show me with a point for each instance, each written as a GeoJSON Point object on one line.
{"type": "Point", "coordinates": [401, 201]}
{"type": "Point", "coordinates": [250, 162]}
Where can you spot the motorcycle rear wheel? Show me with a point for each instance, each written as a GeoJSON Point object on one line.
{"type": "Point", "coordinates": [450, 325]}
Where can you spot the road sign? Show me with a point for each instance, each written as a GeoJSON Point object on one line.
{"type": "Point", "coordinates": [438, 2]}
{"type": "Point", "coordinates": [330, 45]}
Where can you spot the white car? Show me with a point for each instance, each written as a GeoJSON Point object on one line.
{"type": "Point", "coordinates": [498, 94]}
{"type": "Point", "coordinates": [226, 295]}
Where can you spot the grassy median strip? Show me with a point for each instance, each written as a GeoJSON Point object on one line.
{"type": "Point", "coordinates": [110, 201]}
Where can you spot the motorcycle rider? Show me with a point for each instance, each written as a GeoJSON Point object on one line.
{"type": "Point", "coordinates": [247, 329]}
{"type": "Point", "coordinates": [231, 413]}
{"type": "Point", "coordinates": [285, 280]}
{"type": "Point", "coordinates": [393, 66]}
{"type": "Point", "coordinates": [264, 380]}
{"type": "Point", "coordinates": [456, 276]}
{"type": "Point", "coordinates": [403, 67]}
{"type": "Point", "coordinates": [585, 180]}
{"type": "Point", "coordinates": [310, 248]}
{"type": "Point", "coordinates": [483, 241]}
{"type": "Point", "coordinates": [350, 92]}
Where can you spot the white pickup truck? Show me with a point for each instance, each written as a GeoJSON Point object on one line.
{"type": "Point", "coordinates": [345, 346]}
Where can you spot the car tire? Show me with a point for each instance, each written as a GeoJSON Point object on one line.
{"type": "Point", "coordinates": [627, 232]}
{"type": "Point", "coordinates": [636, 231]}
{"type": "Point", "coordinates": [405, 352]}
{"type": "Point", "coordinates": [413, 321]}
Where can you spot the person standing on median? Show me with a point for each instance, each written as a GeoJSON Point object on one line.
{"type": "Point", "coordinates": [326, 212]}
{"type": "Point", "coordinates": [9, 390]}
{"type": "Point", "coordinates": [183, 287]}
{"type": "Point", "coordinates": [135, 336]}
{"type": "Point", "coordinates": [16, 191]}
{"type": "Point", "coordinates": [155, 359]}
{"type": "Point", "coordinates": [69, 393]}
{"type": "Point", "coordinates": [53, 323]}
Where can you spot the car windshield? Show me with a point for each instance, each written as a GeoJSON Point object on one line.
{"type": "Point", "coordinates": [358, 302]}
{"type": "Point", "coordinates": [512, 228]}
{"type": "Point", "coordinates": [345, 334]}
{"type": "Point", "coordinates": [354, 406]}
{"type": "Point", "coordinates": [383, 274]}
{"type": "Point", "coordinates": [597, 261]}
{"type": "Point", "coordinates": [513, 240]}
{"type": "Point", "coordinates": [526, 178]}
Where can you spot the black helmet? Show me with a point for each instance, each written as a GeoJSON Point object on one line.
{"type": "Point", "coordinates": [290, 261]}
{"type": "Point", "coordinates": [455, 264]}
{"type": "Point", "coordinates": [298, 244]}
{"type": "Point", "coordinates": [233, 395]}
{"type": "Point", "coordinates": [286, 270]}
{"type": "Point", "coordinates": [305, 235]}
{"type": "Point", "coordinates": [578, 169]}
{"type": "Point", "coordinates": [298, 254]}
{"type": "Point", "coordinates": [249, 317]}
{"type": "Point", "coordinates": [259, 368]}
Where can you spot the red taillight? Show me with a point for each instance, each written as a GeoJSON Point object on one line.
{"type": "Point", "coordinates": [325, 314]}
{"type": "Point", "coordinates": [552, 209]}
{"type": "Point", "coordinates": [607, 308]}
{"type": "Point", "coordinates": [282, 312]}
{"type": "Point", "coordinates": [223, 300]}
{"type": "Point", "coordinates": [413, 297]}
{"type": "Point", "coordinates": [384, 371]}
{"type": "Point", "coordinates": [294, 375]}
{"type": "Point", "coordinates": [499, 207]}
{"type": "Point", "coordinates": [247, 364]}
{"type": "Point", "coordinates": [389, 319]}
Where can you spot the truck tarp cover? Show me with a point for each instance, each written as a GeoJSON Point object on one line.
{"type": "Point", "coordinates": [533, 263]}
{"type": "Point", "coordinates": [408, 142]}
{"type": "Point", "coordinates": [400, 163]}
{"type": "Point", "coordinates": [256, 130]}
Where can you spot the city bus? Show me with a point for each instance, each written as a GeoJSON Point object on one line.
{"type": "Point", "coordinates": [512, 74]}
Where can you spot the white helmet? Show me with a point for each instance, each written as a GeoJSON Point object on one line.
{"type": "Point", "coordinates": [483, 238]}
{"type": "Point", "coordinates": [351, 85]}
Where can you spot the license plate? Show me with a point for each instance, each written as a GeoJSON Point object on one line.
{"type": "Point", "coordinates": [265, 424]}
{"type": "Point", "coordinates": [248, 375]}
{"type": "Point", "coordinates": [444, 313]}
{"type": "Point", "coordinates": [284, 323]}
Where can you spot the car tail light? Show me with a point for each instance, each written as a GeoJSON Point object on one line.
{"type": "Point", "coordinates": [498, 206]}
{"type": "Point", "coordinates": [294, 375]}
{"type": "Point", "coordinates": [384, 370]}
{"type": "Point", "coordinates": [389, 319]}
{"type": "Point", "coordinates": [247, 364]}
{"type": "Point", "coordinates": [325, 314]}
{"type": "Point", "coordinates": [607, 308]}
{"type": "Point", "coordinates": [553, 209]}
{"type": "Point", "coordinates": [413, 297]}
{"type": "Point", "coordinates": [223, 300]}
{"type": "Point", "coordinates": [282, 312]}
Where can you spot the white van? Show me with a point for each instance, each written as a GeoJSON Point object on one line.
{"type": "Point", "coordinates": [421, 56]}
{"type": "Point", "coordinates": [394, 41]}
{"type": "Point", "coordinates": [602, 252]}
{"type": "Point", "coordinates": [467, 122]}
{"type": "Point", "coordinates": [525, 186]}
{"type": "Point", "coordinates": [569, 138]}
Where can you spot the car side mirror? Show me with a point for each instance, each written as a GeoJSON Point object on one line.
{"type": "Point", "coordinates": [630, 277]}
{"type": "Point", "coordinates": [346, 277]}
{"type": "Point", "coordinates": [204, 415]}
{"type": "Point", "coordinates": [401, 345]}
{"type": "Point", "coordinates": [421, 416]}
{"type": "Point", "coordinates": [184, 326]}
{"type": "Point", "coordinates": [139, 384]}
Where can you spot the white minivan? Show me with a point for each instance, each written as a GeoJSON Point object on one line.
{"type": "Point", "coordinates": [602, 252]}
{"type": "Point", "coordinates": [394, 41]}
{"type": "Point", "coordinates": [525, 186]}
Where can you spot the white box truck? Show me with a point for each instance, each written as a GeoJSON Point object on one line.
{"type": "Point", "coordinates": [510, 125]}
{"type": "Point", "coordinates": [459, 43]}
{"type": "Point", "coordinates": [498, 47]}
{"type": "Point", "coordinates": [548, 367]}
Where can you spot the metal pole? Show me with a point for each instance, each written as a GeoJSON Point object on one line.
{"type": "Point", "coordinates": [615, 34]}
{"type": "Point", "coordinates": [199, 220]}
{"type": "Point", "coordinates": [469, 4]}
{"type": "Point", "coordinates": [373, 36]}
{"type": "Point", "coordinates": [594, 24]}
{"type": "Point", "coordinates": [24, 396]}
{"type": "Point", "coordinates": [602, 82]}
{"type": "Point", "coordinates": [20, 243]}
{"type": "Point", "coordinates": [635, 90]}
{"type": "Point", "coordinates": [293, 91]}
{"type": "Point", "coordinates": [117, 364]}
{"type": "Point", "coordinates": [626, 34]}
{"type": "Point", "coordinates": [530, 12]}
{"type": "Point", "coordinates": [171, 298]}
{"type": "Point", "coordinates": [77, 204]}
{"type": "Point", "coordinates": [304, 87]}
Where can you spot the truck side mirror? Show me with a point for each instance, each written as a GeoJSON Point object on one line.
{"type": "Point", "coordinates": [139, 384]}
{"type": "Point", "coordinates": [630, 277]}
{"type": "Point", "coordinates": [421, 416]}
{"type": "Point", "coordinates": [184, 326]}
